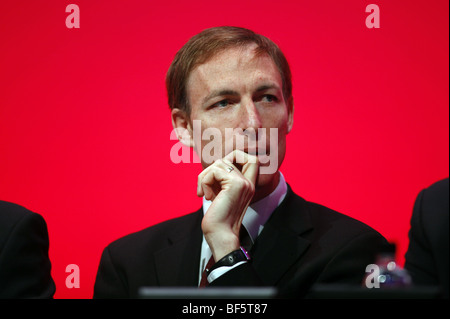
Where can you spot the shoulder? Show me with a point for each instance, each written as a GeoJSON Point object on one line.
{"type": "Point", "coordinates": [346, 236]}
{"type": "Point", "coordinates": [14, 216]}
{"type": "Point", "coordinates": [431, 206]}
{"type": "Point", "coordinates": [439, 187]}
{"type": "Point", "coordinates": [338, 238]}
{"type": "Point", "coordinates": [329, 223]}
{"type": "Point", "coordinates": [430, 215]}
{"type": "Point", "coordinates": [158, 236]}
{"type": "Point", "coordinates": [11, 213]}
{"type": "Point", "coordinates": [437, 193]}
{"type": "Point", "coordinates": [333, 220]}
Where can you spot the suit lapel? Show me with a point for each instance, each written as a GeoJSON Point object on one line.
{"type": "Point", "coordinates": [178, 264]}
{"type": "Point", "coordinates": [280, 244]}
{"type": "Point", "coordinates": [276, 249]}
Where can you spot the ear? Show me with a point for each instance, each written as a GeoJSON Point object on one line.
{"type": "Point", "coordinates": [182, 127]}
{"type": "Point", "coordinates": [290, 106]}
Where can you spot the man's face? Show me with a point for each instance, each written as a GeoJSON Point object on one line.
{"type": "Point", "coordinates": [238, 90]}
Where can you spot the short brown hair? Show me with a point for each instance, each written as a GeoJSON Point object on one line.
{"type": "Point", "coordinates": [203, 46]}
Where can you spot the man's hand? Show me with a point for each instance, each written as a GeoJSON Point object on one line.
{"type": "Point", "coordinates": [230, 192]}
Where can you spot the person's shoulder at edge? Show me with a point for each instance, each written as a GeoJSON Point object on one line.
{"type": "Point", "coordinates": [25, 268]}
{"type": "Point", "coordinates": [12, 214]}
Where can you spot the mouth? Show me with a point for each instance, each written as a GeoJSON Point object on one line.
{"type": "Point", "coordinates": [255, 151]}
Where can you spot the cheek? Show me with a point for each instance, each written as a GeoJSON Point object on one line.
{"type": "Point", "coordinates": [212, 144]}
{"type": "Point", "coordinates": [278, 126]}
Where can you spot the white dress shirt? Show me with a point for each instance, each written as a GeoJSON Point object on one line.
{"type": "Point", "coordinates": [255, 217]}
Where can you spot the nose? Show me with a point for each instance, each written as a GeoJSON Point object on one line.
{"type": "Point", "coordinates": [250, 116]}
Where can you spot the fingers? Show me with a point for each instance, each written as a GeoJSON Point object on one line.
{"type": "Point", "coordinates": [241, 158]}
{"type": "Point", "coordinates": [249, 164]}
{"type": "Point", "coordinates": [230, 184]}
{"type": "Point", "coordinates": [211, 178]}
{"type": "Point", "coordinates": [210, 183]}
{"type": "Point", "coordinates": [235, 164]}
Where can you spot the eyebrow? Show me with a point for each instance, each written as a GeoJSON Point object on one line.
{"type": "Point", "coordinates": [219, 93]}
{"type": "Point", "coordinates": [267, 87]}
{"type": "Point", "coordinates": [224, 92]}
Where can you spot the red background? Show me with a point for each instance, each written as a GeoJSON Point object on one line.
{"type": "Point", "coordinates": [85, 126]}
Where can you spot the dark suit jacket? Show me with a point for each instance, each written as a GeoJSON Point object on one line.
{"type": "Point", "coordinates": [300, 240]}
{"type": "Point", "coordinates": [428, 250]}
{"type": "Point", "coordinates": [24, 263]}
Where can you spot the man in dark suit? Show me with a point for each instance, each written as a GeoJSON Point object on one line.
{"type": "Point", "coordinates": [24, 262]}
{"type": "Point", "coordinates": [428, 251]}
{"type": "Point", "coordinates": [230, 93]}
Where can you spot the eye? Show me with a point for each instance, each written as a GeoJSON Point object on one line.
{"type": "Point", "coordinates": [223, 103]}
{"type": "Point", "coordinates": [269, 98]}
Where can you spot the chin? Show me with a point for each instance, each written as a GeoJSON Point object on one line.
{"type": "Point", "coordinates": [267, 180]}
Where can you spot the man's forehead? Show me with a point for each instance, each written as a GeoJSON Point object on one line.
{"type": "Point", "coordinates": [234, 56]}
{"type": "Point", "coordinates": [229, 66]}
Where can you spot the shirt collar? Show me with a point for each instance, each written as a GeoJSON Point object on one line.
{"type": "Point", "coordinates": [258, 213]}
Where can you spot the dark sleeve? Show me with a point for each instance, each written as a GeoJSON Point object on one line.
{"type": "Point", "coordinates": [427, 257]}
{"type": "Point", "coordinates": [108, 283]}
{"type": "Point", "coordinates": [418, 258]}
{"type": "Point", "coordinates": [241, 276]}
{"type": "Point", "coordinates": [24, 262]}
